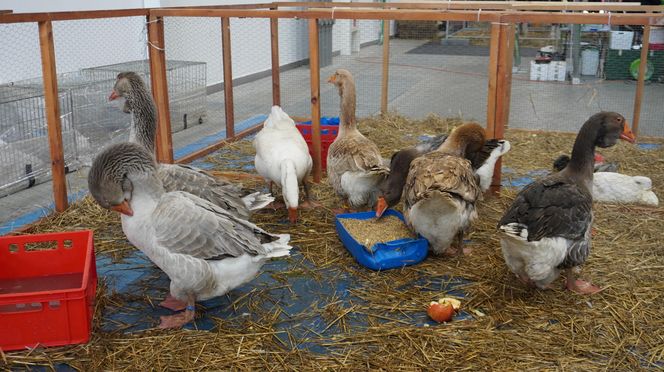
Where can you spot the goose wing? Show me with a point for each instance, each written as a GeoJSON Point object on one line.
{"type": "Point", "coordinates": [436, 171]}
{"type": "Point", "coordinates": [187, 224]}
{"type": "Point", "coordinates": [178, 177]}
{"type": "Point", "coordinates": [356, 154]}
{"type": "Point", "coordinates": [551, 207]}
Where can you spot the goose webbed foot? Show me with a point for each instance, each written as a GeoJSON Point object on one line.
{"type": "Point", "coordinates": [459, 250]}
{"type": "Point", "coordinates": [173, 303]}
{"type": "Point", "coordinates": [580, 286]}
{"type": "Point", "coordinates": [309, 202]}
{"type": "Point", "coordinates": [180, 319]}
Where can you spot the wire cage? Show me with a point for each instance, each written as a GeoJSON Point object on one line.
{"type": "Point", "coordinates": [187, 83]}
{"type": "Point", "coordinates": [96, 121]}
{"type": "Point", "coordinates": [25, 159]}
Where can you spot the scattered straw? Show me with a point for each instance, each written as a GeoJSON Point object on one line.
{"type": "Point", "coordinates": [621, 328]}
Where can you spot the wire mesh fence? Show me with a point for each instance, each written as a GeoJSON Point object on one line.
{"type": "Point", "coordinates": [579, 70]}
{"type": "Point", "coordinates": [561, 75]}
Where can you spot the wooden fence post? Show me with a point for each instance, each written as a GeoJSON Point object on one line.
{"type": "Point", "coordinates": [386, 64]}
{"type": "Point", "coordinates": [274, 36]}
{"type": "Point", "coordinates": [643, 64]}
{"type": "Point", "coordinates": [160, 88]}
{"type": "Point", "coordinates": [501, 58]}
{"type": "Point", "coordinates": [314, 70]}
{"type": "Point", "coordinates": [228, 76]}
{"type": "Point", "coordinates": [52, 108]}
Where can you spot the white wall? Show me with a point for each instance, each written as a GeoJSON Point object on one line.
{"type": "Point", "coordinates": [78, 44]}
{"type": "Point", "coordinates": [89, 43]}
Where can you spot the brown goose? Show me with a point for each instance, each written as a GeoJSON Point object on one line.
{"type": "Point", "coordinates": [482, 161]}
{"type": "Point", "coordinates": [441, 190]}
{"type": "Point", "coordinates": [548, 226]}
{"type": "Point", "coordinates": [355, 168]}
{"type": "Point", "coordinates": [205, 250]}
{"type": "Point", "coordinates": [180, 177]}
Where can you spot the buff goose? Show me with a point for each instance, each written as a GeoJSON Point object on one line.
{"type": "Point", "coordinates": [282, 157]}
{"type": "Point", "coordinates": [441, 190]}
{"type": "Point", "coordinates": [205, 250]}
{"type": "Point", "coordinates": [612, 187]}
{"type": "Point", "coordinates": [482, 161]}
{"type": "Point", "coordinates": [180, 177]}
{"type": "Point", "coordinates": [355, 167]}
{"type": "Point", "coordinates": [548, 226]}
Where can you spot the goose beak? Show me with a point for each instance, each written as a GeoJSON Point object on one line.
{"type": "Point", "coordinates": [332, 79]}
{"type": "Point", "coordinates": [292, 215]}
{"type": "Point", "coordinates": [627, 134]}
{"type": "Point", "coordinates": [123, 208]}
{"type": "Point", "coordinates": [113, 96]}
{"type": "Point", "coordinates": [381, 207]}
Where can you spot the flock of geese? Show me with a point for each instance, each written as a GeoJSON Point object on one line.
{"type": "Point", "coordinates": [196, 227]}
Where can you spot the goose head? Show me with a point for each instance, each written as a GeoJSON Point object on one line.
{"type": "Point", "coordinates": [611, 126]}
{"type": "Point", "coordinates": [342, 79]}
{"type": "Point", "coordinates": [392, 188]}
{"type": "Point", "coordinates": [114, 173]}
{"type": "Point", "coordinates": [126, 84]}
{"type": "Point", "coordinates": [464, 139]}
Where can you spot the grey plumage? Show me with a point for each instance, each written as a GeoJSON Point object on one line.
{"type": "Point", "coordinates": [180, 177]}
{"type": "Point", "coordinates": [203, 248]}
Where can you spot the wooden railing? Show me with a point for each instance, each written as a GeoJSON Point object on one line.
{"type": "Point", "coordinates": [501, 15]}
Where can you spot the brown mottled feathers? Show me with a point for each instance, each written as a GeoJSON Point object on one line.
{"type": "Point", "coordinates": [441, 172]}
{"type": "Point", "coordinates": [356, 153]}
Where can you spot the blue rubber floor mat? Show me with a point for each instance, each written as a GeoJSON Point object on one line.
{"type": "Point", "coordinates": [294, 287]}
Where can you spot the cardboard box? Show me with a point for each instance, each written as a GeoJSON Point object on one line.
{"type": "Point", "coordinates": [539, 71]}
{"type": "Point", "coordinates": [557, 71]}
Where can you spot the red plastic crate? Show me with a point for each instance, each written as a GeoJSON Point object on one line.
{"type": "Point", "coordinates": [327, 135]}
{"type": "Point", "coordinates": [47, 289]}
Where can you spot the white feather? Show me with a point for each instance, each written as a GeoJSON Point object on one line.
{"type": "Point", "coordinates": [439, 219]}
{"type": "Point", "coordinates": [611, 187]}
{"type": "Point", "coordinates": [282, 155]}
{"type": "Point", "coordinates": [537, 260]}
{"type": "Point", "coordinates": [485, 172]}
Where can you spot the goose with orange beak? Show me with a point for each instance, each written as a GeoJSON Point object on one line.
{"type": "Point", "coordinates": [441, 191]}
{"type": "Point", "coordinates": [204, 249]}
{"type": "Point", "coordinates": [355, 168]}
{"type": "Point", "coordinates": [180, 177]}
{"type": "Point", "coordinates": [482, 161]}
{"type": "Point", "coordinates": [548, 227]}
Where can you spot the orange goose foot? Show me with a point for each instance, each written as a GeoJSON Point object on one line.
{"type": "Point", "coordinates": [310, 204]}
{"type": "Point", "coordinates": [581, 286]}
{"type": "Point", "coordinates": [173, 303]}
{"type": "Point", "coordinates": [178, 320]}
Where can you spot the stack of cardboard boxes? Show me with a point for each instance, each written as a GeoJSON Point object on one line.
{"type": "Point", "coordinates": [551, 71]}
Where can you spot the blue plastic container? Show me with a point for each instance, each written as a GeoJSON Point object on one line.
{"type": "Point", "coordinates": [383, 256]}
{"type": "Point", "coordinates": [326, 121]}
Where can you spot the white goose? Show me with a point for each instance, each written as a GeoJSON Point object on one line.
{"type": "Point", "coordinates": [180, 177]}
{"type": "Point", "coordinates": [282, 157]}
{"type": "Point", "coordinates": [618, 188]}
{"type": "Point", "coordinates": [205, 250]}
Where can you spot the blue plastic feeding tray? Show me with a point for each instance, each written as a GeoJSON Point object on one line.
{"type": "Point", "coordinates": [382, 256]}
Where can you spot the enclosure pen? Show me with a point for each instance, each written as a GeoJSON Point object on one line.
{"type": "Point", "coordinates": [515, 67]}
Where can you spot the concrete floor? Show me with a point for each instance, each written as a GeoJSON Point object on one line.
{"type": "Point", "coordinates": [419, 84]}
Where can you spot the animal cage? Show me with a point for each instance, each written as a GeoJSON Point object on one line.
{"type": "Point", "coordinates": [187, 84]}
{"type": "Point", "coordinates": [96, 121]}
{"type": "Point", "coordinates": [25, 159]}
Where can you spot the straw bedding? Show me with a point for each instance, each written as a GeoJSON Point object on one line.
{"type": "Point", "coordinates": [510, 327]}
